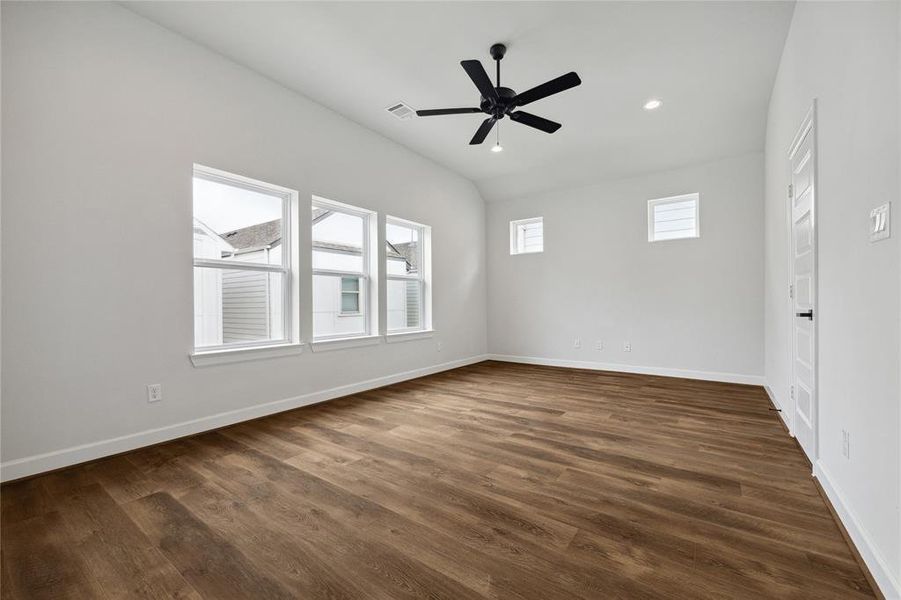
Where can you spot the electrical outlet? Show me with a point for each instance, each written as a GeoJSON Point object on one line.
{"type": "Point", "coordinates": [846, 444]}
{"type": "Point", "coordinates": [627, 347]}
{"type": "Point", "coordinates": [599, 345]}
{"type": "Point", "coordinates": [154, 392]}
{"type": "Point", "coordinates": [577, 343]}
{"type": "Point", "coordinates": [438, 345]}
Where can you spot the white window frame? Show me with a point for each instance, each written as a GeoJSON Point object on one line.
{"type": "Point", "coordinates": [368, 276]}
{"type": "Point", "coordinates": [515, 246]}
{"type": "Point", "coordinates": [424, 276]}
{"type": "Point", "coordinates": [696, 196]}
{"type": "Point", "coordinates": [290, 332]}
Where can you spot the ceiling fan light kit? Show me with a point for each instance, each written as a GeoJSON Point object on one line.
{"type": "Point", "coordinates": [497, 101]}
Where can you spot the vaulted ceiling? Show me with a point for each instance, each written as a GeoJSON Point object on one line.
{"type": "Point", "coordinates": [712, 64]}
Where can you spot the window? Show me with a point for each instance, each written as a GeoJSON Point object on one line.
{"type": "Point", "coordinates": [527, 236]}
{"type": "Point", "coordinates": [674, 218]}
{"type": "Point", "coordinates": [408, 258]}
{"type": "Point", "coordinates": [350, 296]}
{"type": "Point", "coordinates": [242, 261]}
{"type": "Point", "coordinates": [344, 278]}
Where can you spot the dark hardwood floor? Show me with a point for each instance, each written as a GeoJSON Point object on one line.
{"type": "Point", "coordinates": [490, 481]}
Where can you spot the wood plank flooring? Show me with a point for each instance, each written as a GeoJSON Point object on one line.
{"type": "Point", "coordinates": [491, 481]}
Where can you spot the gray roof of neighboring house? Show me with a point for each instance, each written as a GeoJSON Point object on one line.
{"type": "Point", "coordinates": [269, 234]}
{"type": "Point", "coordinates": [261, 235]}
{"type": "Point", "coordinates": [406, 249]}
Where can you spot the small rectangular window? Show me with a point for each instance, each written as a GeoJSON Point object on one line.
{"type": "Point", "coordinates": [350, 296]}
{"type": "Point", "coordinates": [242, 261]}
{"type": "Point", "coordinates": [344, 281]}
{"type": "Point", "coordinates": [674, 218]}
{"type": "Point", "coordinates": [407, 253]}
{"type": "Point", "coordinates": [527, 236]}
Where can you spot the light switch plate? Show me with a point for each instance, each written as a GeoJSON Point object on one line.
{"type": "Point", "coordinates": [881, 222]}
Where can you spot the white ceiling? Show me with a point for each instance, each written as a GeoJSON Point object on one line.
{"type": "Point", "coordinates": [712, 63]}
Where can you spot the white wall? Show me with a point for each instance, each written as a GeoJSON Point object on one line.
{"type": "Point", "coordinates": [692, 305]}
{"type": "Point", "coordinates": [845, 55]}
{"type": "Point", "coordinates": [104, 115]}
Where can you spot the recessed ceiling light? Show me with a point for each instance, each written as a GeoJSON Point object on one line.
{"type": "Point", "coordinates": [497, 148]}
{"type": "Point", "coordinates": [653, 104]}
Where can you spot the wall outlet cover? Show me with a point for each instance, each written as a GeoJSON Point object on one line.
{"type": "Point", "coordinates": [881, 222]}
{"type": "Point", "coordinates": [154, 392]}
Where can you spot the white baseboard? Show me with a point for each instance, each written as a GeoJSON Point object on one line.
{"type": "Point", "coordinates": [782, 414]}
{"type": "Point", "coordinates": [32, 465]}
{"type": "Point", "coordinates": [662, 371]}
{"type": "Point", "coordinates": [879, 568]}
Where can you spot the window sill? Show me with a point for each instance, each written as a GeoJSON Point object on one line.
{"type": "Point", "coordinates": [342, 343]}
{"type": "Point", "coordinates": [409, 336]}
{"type": "Point", "coordinates": [206, 358]}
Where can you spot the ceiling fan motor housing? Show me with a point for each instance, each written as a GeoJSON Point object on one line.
{"type": "Point", "coordinates": [503, 105]}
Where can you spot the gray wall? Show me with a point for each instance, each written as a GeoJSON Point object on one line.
{"type": "Point", "coordinates": [693, 305]}
{"type": "Point", "coordinates": [104, 114]}
{"type": "Point", "coordinates": [846, 56]}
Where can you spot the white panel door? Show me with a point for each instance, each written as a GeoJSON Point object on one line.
{"type": "Point", "coordinates": [802, 198]}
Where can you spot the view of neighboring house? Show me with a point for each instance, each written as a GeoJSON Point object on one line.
{"type": "Point", "coordinates": [234, 306]}
{"type": "Point", "coordinates": [239, 306]}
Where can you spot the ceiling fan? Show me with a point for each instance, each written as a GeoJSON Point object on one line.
{"type": "Point", "coordinates": [497, 101]}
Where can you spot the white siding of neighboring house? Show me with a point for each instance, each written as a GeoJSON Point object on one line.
{"type": "Point", "coordinates": [207, 288]}
{"type": "Point", "coordinates": [234, 306]}
{"type": "Point", "coordinates": [252, 300]}
{"type": "Point", "coordinates": [402, 298]}
{"type": "Point", "coordinates": [327, 317]}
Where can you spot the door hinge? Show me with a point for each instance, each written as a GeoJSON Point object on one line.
{"type": "Point", "coordinates": [791, 291]}
{"type": "Point", "coordinates": [791, 392]}
{"type": "Point", "coordinates": [791, 189]}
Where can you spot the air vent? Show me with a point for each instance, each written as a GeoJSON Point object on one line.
{"type": "Point", "coordinates": [401, 111]}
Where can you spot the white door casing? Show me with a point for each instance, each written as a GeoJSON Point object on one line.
{"type": "Point", "coordinates": [803, 290]}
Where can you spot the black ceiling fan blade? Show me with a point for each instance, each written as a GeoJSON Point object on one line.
{"type": "Point", "coordinates": [483, 131]}
{"type": "Point", "coordinates": [447, 111]}
{"type": "Point", "coordinates": [537, 122]}
{"type": "Point", "coordinates": [549, 88]}
{"type": "Point", "coordinates": [477, 73]}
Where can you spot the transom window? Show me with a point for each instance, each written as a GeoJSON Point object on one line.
{"type": "Point", "coordinates": [674, 218]}
{"type": "Point", "coordinates": [344, 296]}
{"type": "Point", "coordinates": [242, 261]}
{"type": "Point", "coordinates": [527, 236]}
{"type": "Point", "coordinates": [408, 258]}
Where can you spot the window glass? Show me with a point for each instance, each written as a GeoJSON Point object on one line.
{"type": "Point", "coordinates": [235, 223]}
{"type": "Point", "coordinates": [407, 275]}
{"type": "Point", "coordinates": [673, 218]}
{"type": "Point", "coordinates": [341, 282]}
{"type": "Point", "coordinates": [241, 261]}
{"type": "Point", "coordinates": [233, 306]}
{"type": "Point", "coordinates": [527, 236]}
{"type": "Point", "coordinates": [403, 241]}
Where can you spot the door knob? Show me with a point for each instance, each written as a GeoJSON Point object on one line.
{"type": "Point", "coordinates": [807, 313]}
